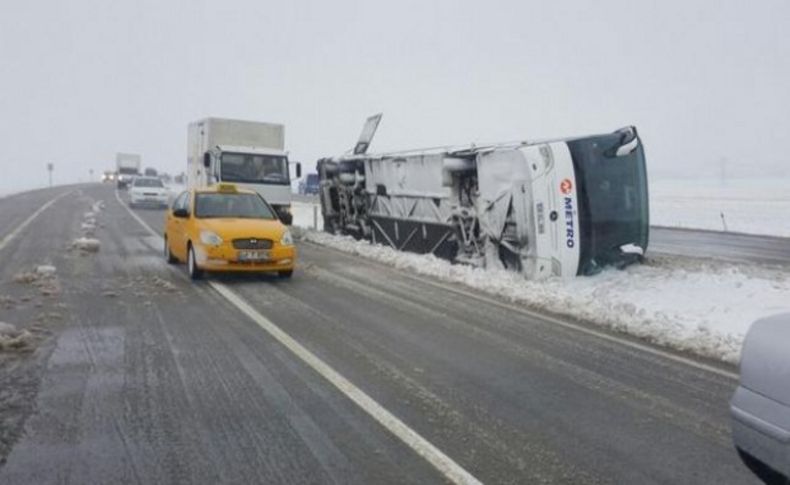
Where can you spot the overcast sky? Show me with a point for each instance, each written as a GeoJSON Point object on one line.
{"type": "Point", "coordinates": [702, 80]}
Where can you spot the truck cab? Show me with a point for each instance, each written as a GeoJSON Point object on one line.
{"type": "Point", "coordinates": [248, 154]}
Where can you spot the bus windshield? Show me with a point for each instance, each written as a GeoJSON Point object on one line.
{"type": "Point", "coordinates": [254, 168]}
{"type": "Point", "coordinates": [613, 201]}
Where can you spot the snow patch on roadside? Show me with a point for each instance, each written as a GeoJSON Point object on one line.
{"type": "Point", "coordinates": [87, 244]}
{"type": "Point", "coordinates": [700, 307]}
{"type": "Point", "coordinates": [45, 270]}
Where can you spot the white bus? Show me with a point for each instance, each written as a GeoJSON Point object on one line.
{"type": "Point", "coordinates": [561, 207]}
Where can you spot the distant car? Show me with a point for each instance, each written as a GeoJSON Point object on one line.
{"type": "Point", "coordinates": [760, 407]}
{"type": "Point", "coordinates": [310, 185]}
{"type": "Point", "coordinates": [150, 172]}
{"type": "Point", "coordinates": [108, 176]}
{"type": "Point", "coordinates": [148, 191]}
{"type": "Point", "coordinates": [225, 228]}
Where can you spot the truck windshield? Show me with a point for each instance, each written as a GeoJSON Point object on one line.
{"type": "Point", "coordinates": [254, 169]}
{"type": "Point", "coordinates": [613, 202]}
{"type": "Point", "coordinates": [242, 206]}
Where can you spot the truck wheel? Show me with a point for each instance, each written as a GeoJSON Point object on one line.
{"type": "Point", "coordinates": [195, 273]}
{"type": "Point", "coordinates": [285, 274]}
{"type": "Point", "coordinates": [169, 254]}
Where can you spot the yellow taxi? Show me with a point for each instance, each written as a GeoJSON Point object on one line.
{"type": "Point", "coordinates": [225, 228]}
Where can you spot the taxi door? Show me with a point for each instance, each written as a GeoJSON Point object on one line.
{"type": "Point", "coordinates": [175, 227]}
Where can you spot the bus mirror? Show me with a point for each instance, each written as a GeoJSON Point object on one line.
{"type": "Point", "coordinates": [207, 159]}
{"type": "Point", "coordinates": [298, 170]}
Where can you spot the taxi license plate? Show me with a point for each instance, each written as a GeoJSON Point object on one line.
{"type": "Point", "coordinates": [253, 256]}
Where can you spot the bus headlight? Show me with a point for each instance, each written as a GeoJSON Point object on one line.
{"type": "Point", "coordinates": [210, 238]}
{"type": "Point", "coordinates": [287, 239]}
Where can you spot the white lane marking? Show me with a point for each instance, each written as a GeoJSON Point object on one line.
{"type": "Point", "coordinates": [564, 323]}
{"type": "Point", "coordinates": [446, 465]}
{"type": "Point", "coordinates": [443, 463]}
{"type": "Point", "coordinates": [7, 239]}
{"type": "Point", "coordinates": [136, 217]}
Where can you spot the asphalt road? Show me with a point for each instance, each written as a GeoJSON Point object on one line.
{"type": "Point", "coordinates": [729, 246]}
{"type": "Point", "coordinates": [147, 377]}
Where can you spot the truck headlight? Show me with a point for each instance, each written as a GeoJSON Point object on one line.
{"type": "Point", "coordinates": [210, 238]}
{"type": "Point", "coordinates": [287, 239]}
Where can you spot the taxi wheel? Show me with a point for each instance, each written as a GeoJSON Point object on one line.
{"type": "Point", "coordinates": [194, 272]}
{"type": "Point", "coordinates": [169, 254]}
{"type": "Point", "coordinates": [285, 274]}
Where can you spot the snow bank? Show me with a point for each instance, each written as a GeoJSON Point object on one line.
{"type": "Point", "coordinates": [699, 307]}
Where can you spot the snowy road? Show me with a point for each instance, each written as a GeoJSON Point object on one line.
{"type": "Point", "coordinates": [145, 377]}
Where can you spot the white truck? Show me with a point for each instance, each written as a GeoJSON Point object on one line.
{"type": "Point", "coordinates": [562, 207]}
{"type": "Point", "coordinates": [247, 153]}
{"type": "Point", "coordinates": [128, 167]}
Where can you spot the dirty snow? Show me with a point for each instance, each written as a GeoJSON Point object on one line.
{"type": "Point", "coordinates": [25, 277]}
{"type": "Point", "coordinates": [12, 338]}
{"type": "Point", "coordinates": [700, 307]}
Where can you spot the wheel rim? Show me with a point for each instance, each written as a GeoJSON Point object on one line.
{"type": "Point", "coordinates": [191, 262]}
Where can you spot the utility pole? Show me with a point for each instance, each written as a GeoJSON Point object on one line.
{"type": "Point", "coordinates": [50, 167]}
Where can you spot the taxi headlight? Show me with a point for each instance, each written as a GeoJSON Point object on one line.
{"type": "Point", "coordinates": [210, 238]}
{"type": "Point", "coordinates": [287, 239]}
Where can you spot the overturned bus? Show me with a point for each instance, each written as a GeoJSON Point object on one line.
{"type": "Point", "coordinates": [560, 207]}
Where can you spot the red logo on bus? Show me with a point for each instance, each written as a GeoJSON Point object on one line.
{"type": "Point", "coordinates": [566, 186]}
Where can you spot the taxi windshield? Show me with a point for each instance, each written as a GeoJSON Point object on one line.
{"type": "Point", "coordinates": [243, 206]}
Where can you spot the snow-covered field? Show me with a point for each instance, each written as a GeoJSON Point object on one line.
{"type": "Point", "coordinates": [756, 206]}
{"type": "Point", "coordinates": [700, 307]}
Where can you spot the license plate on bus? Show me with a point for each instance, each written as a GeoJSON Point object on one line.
{"type": "Point", "coordinates": [253, 256]}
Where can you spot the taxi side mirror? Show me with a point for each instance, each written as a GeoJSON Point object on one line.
{"type": "Point", "coordinates": [181, 213]}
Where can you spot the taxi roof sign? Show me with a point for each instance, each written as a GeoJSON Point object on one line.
{"type": "Point", "coordinates": [227, 188]}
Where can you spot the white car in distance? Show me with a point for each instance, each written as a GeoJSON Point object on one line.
{"type": "Point", "coordinates": [148, 191]}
